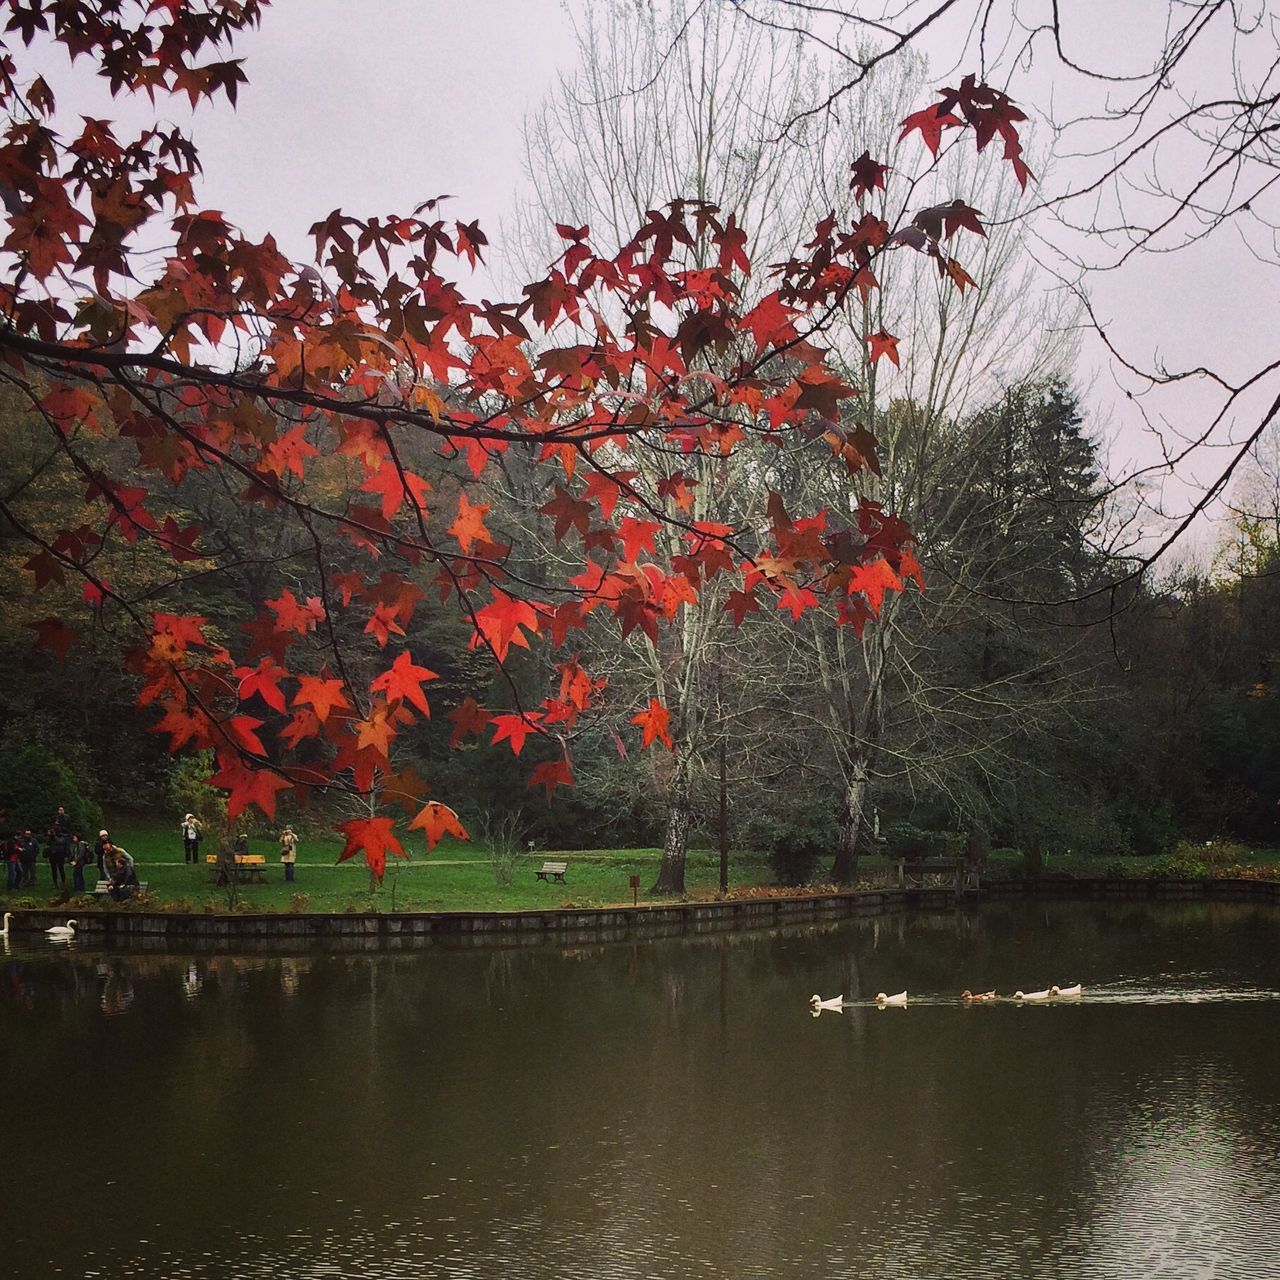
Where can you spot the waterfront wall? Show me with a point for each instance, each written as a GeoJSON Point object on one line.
{"type": "Point", "coordinates": [131, 927]}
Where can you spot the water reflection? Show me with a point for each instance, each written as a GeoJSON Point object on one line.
{"type": "Point", "coordinates": [668, 1108]}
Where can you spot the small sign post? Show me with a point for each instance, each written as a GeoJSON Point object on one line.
{"type": "Point", "coordinates": [635, 891]}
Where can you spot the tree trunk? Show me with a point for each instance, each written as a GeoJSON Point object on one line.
{"type": "Point", "coordinates": [845, 868]}
{"type": "Point", "coordinates": [676, 843]}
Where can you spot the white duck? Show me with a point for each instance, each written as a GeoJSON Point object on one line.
{"type": "Point", "coordinates": [900, 998]}
{"type": "Point", "coordinates": [61, 931]}
{"type": "Point", "coordinates": [817, 1002]}
{"type": "Point", "coordinates": [4, 932]}
{"type": "Point", "coordinates": [1033, 995]}
{"type": "Point", "coordinates": [1067, 992]}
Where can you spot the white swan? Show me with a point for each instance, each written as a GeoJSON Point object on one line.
{"type": "Point", "coordinates": [1067, 992]}
{"type": "Point", "coordinates": [4, 933]}
{"type": "Point", "coordinates": [1033, 995]}
{"type": "Point", "coordinates": [817, 1002]}
{"type": "Point", "coordinates": [60, 931]}
{"type": "Point", "coordinates": [900, 998]}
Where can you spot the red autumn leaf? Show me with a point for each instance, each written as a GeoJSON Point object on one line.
{"type": "Point", "coordinates": [54, 634]}
{"type": "Point", "coordinates": [569, 512]}
{"type": "Point", "coordinates": [655, 721]}
{"type": "Point", "coordinates": [403, 681]}
{"type": "Point", "coordinates": [375, 838]}
{"type": "Point", "coordinates": [468, 717]}
{"type": "Point", "coordinates": [637, 536]}
{"type": "Point", "coordinates": [262, 681]}
{"type": "Point", "coordinates": [931, 122]}
{"type": "Point", "coordinates": [292, 616]}
{"type": "Point", "coordinates": [552, 774]}
{"type": "Point", "coordinates": [468, 527]}
{"type": "Point", "coordinates": [865, 175]}
{"type": "Point", "coordinates": [873, 580]}
{"type": "Point", "coordinates": [245, 786]}
{"type": "Point", "coordinates": [739, 604]}
{"type": "Point", "coordinates": [883, 344]}
{"type": "Point", "coordinates": [322, 694]}
{"type": "Point", "coordinates": [437, 821]}
{"type": "Point", "coordinates": [514, 729]}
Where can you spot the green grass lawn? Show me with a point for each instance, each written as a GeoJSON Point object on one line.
{"type": "Point", "coordinates": [456, 876]}
{"type": "Point", "coordinates": [459, 876]}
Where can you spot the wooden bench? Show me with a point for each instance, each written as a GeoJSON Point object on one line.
{"type": "Point", "coordinates": [552, 871]}
{"type": "Point", "coordinates": [911, 875]}
{"type": "Point", "coordinates": [249, 866]}
{"type": "Point", "coordinates": [104, 887]}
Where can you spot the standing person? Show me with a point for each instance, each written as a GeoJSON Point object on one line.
{"type": "Point", "coordinates": [13, 861]}
{"type": "Point", "coordinates": [30, 848]}
{"type": "Point", "coordinates": [81, 856]}
{"type": "Point", "coordinates": [101, 845]}
{"type": "Point", "coordinates": [190, 838]}
{"type": "Point", "coordinates": [288, 852]}
{"type": "Point", "coordinates": [61, 824]}
{"type": "Point", "coordinates": [57, 852]}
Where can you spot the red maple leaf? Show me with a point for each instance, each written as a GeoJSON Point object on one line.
{"type": "Point", "coordinates": [322, 694]}
{"type": "Point", "coordinates": [552, 774]}
{"type": "Point", "coordinates": [468, 717]}
{"type": "Point", "coordinates": [739, 604]}
{"type": "Point", "coordinates": [655, 720]}
{"type": "Point", "coordinates": [403, 681]}
{"type": "Point", "coordinates": [873, 580]}
{"type": "Point", "coordinates": [375, 837]}
{"type": "Point", "coordinates": [245, 786]}
{"type": "Point", "coordinates": [883, 344]}
{"type": "Point", "coordinates": [865, 175]}
{"type": "Point", "coordinates": [437, 821]}
{"type": "Point", "coordinates": [263, 681]}
{"type": "Point", "coordinates": [54, 634]}
{"type": "Point", "coordinates": [514, 729]}
{"type": "Point", "coordinates": [931, 121]}
{"type": "Point", "coordinates": [468, 527]}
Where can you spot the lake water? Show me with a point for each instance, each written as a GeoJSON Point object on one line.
{"type": "Point", "coordinates": [658, 1108]}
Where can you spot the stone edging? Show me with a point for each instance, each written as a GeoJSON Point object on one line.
{"type": "Point", "coordinates": [574, 924]}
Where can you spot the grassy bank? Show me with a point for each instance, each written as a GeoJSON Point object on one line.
{"type": "Point", "coordinates": [459, 876]}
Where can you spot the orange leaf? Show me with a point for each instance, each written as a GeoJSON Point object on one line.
{"type": "Point", "coordinates": [438, 820]}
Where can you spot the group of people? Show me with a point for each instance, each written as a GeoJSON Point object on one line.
{"type": "Point", "coordinates": [63, 848]}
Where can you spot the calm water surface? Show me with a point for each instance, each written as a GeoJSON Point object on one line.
{"type": "Point", "coordinates": [657, 1109]}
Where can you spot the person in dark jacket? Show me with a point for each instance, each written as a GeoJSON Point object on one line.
{"type": "Point", "coordinates": [13, 861]}
{"type": "Point", "coordinates": [30, 848]}
{"type": "Point", "coordinates": [61, 823]}
{"type": "Point", "coordinates": [58, 850]}
{"type": "Point", "coordinates": [124, 879]}
{"type": "Point", "coordinates": [101, 845]}
{"type": "Point", "coordinates": [81, 856]}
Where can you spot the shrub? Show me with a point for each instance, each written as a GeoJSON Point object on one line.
{"type": "Point", "coordinates": [1174, 867]}
{"type": "Point", "coordinates": [797, 852]}
{"type": "Point", "coordinates": [33, 783]}
{"type": "Point", "coordinates": [915, 844]}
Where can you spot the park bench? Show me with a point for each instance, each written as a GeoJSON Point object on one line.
{"type": "Point", "coordinates": [912, 874]}
{"type": "Point", "coordinates": [104, 887]}
{"type": "Point", "coordinates": [249, 866]}
{"type": "Point", "coordinates": [552, 871]}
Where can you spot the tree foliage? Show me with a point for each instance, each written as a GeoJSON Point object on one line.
{"type": "Point", "coordinates": [362, 400]}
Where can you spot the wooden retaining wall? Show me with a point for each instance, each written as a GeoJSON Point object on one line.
{"type": "Point", "coordinates": [151, 929]}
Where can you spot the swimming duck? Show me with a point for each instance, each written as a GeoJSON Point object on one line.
{"type": "Point", "coordinates": [817, 1002]}
{"type": "Point", "coordinates": [59, 931]}
{"type": "Point", "coordinates": [900, 998]}
{"type": "Point", "coordinates": [981, 995]}
{"type": "Point", "coordinates": [1033, 995]}
{"type": "Point", "coordinates": [1067, 992]}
